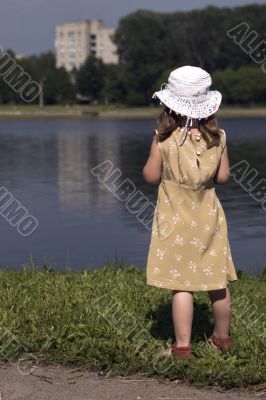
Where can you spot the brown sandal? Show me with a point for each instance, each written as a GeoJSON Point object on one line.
{"type": "Point", "coordinates": [221, 344]}
{"type": "Point", "coordinates": [182, 351]}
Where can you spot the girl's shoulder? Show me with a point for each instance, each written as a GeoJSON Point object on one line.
{"type": "Point", "coordinates": [168, 140]}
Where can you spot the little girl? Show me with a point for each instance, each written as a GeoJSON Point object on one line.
{"type": "Point", "coordinates": [189, 249]}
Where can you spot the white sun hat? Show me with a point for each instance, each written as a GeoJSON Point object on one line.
{"type": "Point", "coordinates": [187, 92]}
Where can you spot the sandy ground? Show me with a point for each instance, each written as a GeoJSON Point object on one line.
{"type": "Point", "coordinates": [55, 382]}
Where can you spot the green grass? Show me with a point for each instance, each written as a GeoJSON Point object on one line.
{"type": "Point", "coordinates": [108, 319]}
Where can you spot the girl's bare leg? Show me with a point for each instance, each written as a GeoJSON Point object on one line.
{"type": "Point", "coordinates": [221, 308]}
{"type": "Point", "coordinates": [182, 312]}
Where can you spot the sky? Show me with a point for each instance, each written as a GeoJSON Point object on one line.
{"type": "Point", "coordinates": [28, 26]}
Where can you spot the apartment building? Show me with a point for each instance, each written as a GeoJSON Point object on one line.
{"type": "Point", "coordinates": [76, 40]}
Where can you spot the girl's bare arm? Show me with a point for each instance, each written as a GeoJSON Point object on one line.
{"type": "Point", "coordinates": [152, 169]}
{"type": "Point", "coordinates": [222, 174]}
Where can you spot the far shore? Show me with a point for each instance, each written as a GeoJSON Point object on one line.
{"type": "Point", "coordinates": [112, 112]}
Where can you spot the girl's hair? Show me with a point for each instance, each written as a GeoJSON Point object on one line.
{"type": "Point", "coordinates": [168, 121]}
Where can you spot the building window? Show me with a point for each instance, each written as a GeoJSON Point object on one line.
{"type": "Point", "coordinates": [71, 35]}
{"type": "Point", "coordinates": [92, 40]}
{"type": "Point", "coordinates": [72, 54]}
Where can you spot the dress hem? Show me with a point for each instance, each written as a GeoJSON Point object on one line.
{"type": "Point", "coordinates": [190, 288]}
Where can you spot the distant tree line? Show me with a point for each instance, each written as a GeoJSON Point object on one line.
{"type": "Point", "coordinates": [57, 82]}
{"type": "Point", "coordinates": [150, 45]}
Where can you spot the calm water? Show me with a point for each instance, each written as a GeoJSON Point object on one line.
{"type": "Point", "coordinates": [47, 166]}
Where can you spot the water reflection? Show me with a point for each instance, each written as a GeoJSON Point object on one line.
{"type": "Point", "coordinates": [73, 176]}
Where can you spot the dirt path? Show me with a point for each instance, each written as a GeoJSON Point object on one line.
{"type": "Point", "coordinates": [59, 383]}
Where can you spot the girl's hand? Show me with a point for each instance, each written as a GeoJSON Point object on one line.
{"type": "Point", "coordinates": [152, 169]}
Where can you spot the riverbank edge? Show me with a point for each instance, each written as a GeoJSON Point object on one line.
{"type": "Point", "coordinates": [111, 112]}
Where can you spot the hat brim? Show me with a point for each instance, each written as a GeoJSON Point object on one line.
{"type": "Point", "coordinates": [201, 107]}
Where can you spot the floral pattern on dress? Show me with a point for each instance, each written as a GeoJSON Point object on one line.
{"type": "Point", "coordinates": [212, 211]}
{"type": "Point", "coordinates": [194, 205]}
{"type": "Point", "coordinates": [220, 219]}
{"type": "Point", "coordinates": [167, 200]}
{"type": "Point", "coordinates": [178, 240]}
{"type": "Point", "coordinates": [206, 228]}
{"type": "Point", "coordinates": [198, 244]}
{"type": "Point", "coordinates": [193, 162]}
{"type": "Point", "coordinates": [156, 271]}
{"type": "Point", "coordinates": [208, 270]}
{"type": "Point", "coordinates": [174, 273]}
{"type": "Point", "coordinates": [177, 219]}
{"type": "Point", "coordinates": [193, 266]}
{"type": "Point", "coordinates": [161, 253]}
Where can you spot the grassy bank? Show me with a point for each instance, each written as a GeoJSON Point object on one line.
{"type": "Point", "coordinates": [111, 112]}
{"type": "Point", "coordinates": [108, 319]}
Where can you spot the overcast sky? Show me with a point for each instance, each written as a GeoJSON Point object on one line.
{"type": "Point", "coordinates": [27, 26]}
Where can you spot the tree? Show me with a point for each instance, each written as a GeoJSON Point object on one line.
{"type": "Point", "coordinates": [150, 43]}
{"type": "Point", "coordinates": [58, 88]}
{"type": "Point", "coordinates": [57, 83]}
{"type": "Point", "coordinates": [140, 38]}
{"type": "Point", "coordinates": [91, 78]}
{"type": "Point", "coordinates": [246, 85]}
{"type": "Point", "coordinates": [115, 85]}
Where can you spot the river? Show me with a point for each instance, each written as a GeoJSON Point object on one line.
{"type": "Point", "coordinates": [47, 167]}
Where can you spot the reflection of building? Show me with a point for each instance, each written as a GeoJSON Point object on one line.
{"type": "Point", "coordinates": [76, 40]}
{"type": "Point", "coordinates": [73, 179]}
{"type": "Point", "coordinates": [78, 153]}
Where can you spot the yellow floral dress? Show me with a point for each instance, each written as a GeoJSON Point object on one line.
{"type": "Point", "coordinates": [189, 248]}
